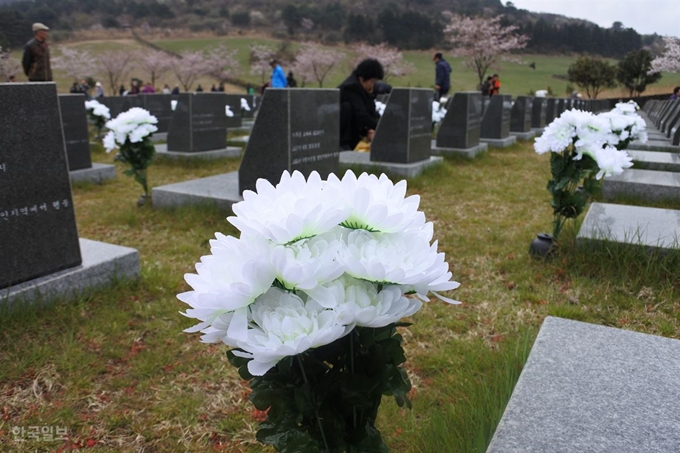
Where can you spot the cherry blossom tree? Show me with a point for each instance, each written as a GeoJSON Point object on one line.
{"type": "Point", "coordinates": [114, 66]}
{"type": "Point", "coordinates": [77, 64]}
{"type": "Point", "coordinates": [391, 59]}
{"type": "Point", "coordinates": [314, 62]}
{"type": "Point", "coordinates": [189, 68]}
{"type": "Point", "coordinates": [155, 63]}
{"type": "Point", "coordinates": [670, 60]}
{"type": "Point", "coordinates": [483, 42]}
{"type": "Point", "coordinates": [9, 65]}
{"type": "Point", "coordinates": [260, 56]}
{"type": "Point", "coordinates": [221, 63]}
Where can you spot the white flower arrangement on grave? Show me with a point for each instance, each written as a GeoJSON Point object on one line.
{"type": "Point", "coordinates": [310, 297]}
{"type": "Point", "coordinates": [438, 111]}
{"type": "Point", "coordinates": [244, 105]}
{"type": "Point", "coordinates": [131, 133]}
{"type": "Point", "coordinates": [585, 148]}
{"type": "Point", "coordinates": [380, 107]}
{"type": "Point", "coordinates": [98, 115]}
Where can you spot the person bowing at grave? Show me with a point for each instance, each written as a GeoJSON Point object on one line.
{"type": "Point", "coordinates": [358, 117]}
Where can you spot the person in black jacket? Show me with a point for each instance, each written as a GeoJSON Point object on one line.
{"type": "Point", "coordinates": [358, 117]}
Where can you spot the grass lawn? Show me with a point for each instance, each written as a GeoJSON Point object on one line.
{"type": "Point", "coordinates": [115, 369]}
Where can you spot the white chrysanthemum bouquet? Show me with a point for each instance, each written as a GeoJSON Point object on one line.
{"type": "Point", "coordinates": [438, 111]}
{"type": "Point", "coordinates": [585, 148]}
{"type": "Point", "coordinates": [310, 297]}
{"type": "Point", "coordinates": [131, 133]}
{"type": "Point", "coordinates": [98, 114]}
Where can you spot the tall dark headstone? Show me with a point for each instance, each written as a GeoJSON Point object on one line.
{"type": "Point", "coordinates": [160, 106]}
{"type": "Point", "coordinates": [561, 106]}
{"type": "Point", "coordinates": [234, 103]}
{"type": "Point", "coordinates": [404, 133]}
{"type": "Point", "coordinates": [538, 112]}
{"type": "Point", "coordinates": [461, 126]}
{"type": "Point", "coordinates": [199, 123]}
{"type": "Point", "coordinates": [116, 104]}
{"type": "Point", "coordinates": [496, 121]}
{"type": "Point", "coordinates": [551, 110]}
{"type": "Point", "coordinates": [295, 129]}
{"type": "Point", "coordinates": [520, 115]}
{"type": "Point", "coordinates": [38, 234]}
{"type": "Point", "coordinates": [76, 135]}
{"type": "Point", "coordinates": [252, 103]}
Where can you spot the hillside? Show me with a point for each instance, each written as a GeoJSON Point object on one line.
{"type": "Point", "coordinates": [407, 24]}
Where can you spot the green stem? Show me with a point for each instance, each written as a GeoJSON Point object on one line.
{"type": "Point", "coordinates": [316, 410]}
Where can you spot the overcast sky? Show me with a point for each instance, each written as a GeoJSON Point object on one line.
{"type": "Point", "coordinates": [645, 16]}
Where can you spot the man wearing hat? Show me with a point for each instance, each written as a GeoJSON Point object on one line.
{"type": "Point", "coordinates": [442, 81]}
{"type": "Point", "coordinates": [36, 60]}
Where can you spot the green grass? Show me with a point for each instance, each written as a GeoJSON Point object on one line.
{"type": "Point", "coordinates": [115, 367]}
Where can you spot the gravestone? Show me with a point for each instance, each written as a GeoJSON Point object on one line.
{"type": "Point", "coordinates": [596, 389]}
{"type": "Point", "coordinates": [38, 234]}
{"type": "Point", "coordinates": [561, 106]}
{"type": "Point", "coordinates": [404, 132]}
{"type": "Point", "coordinates": [160, 106]}
{"type": "Point", "coordinates": [520, 115]}
{"type": "Point", "coordinates": [496, 121]}
{"type": "Point", "coordinates": [198, 124]}
{"type": "Point", "coordinates": [461, 126]}
{"type": "Point", "coordinates": [538, 113]}
{"type": "Point", "coordinates": [116, 104]}
{"type": "Point", "coordinates": [550, 110]}
{"type": "Point", "coordinates": [76, 135]}
{"type": "Point", "coordinates": [650, 185]}
{"type": "Point", "coordinates": [666, 123]}
{"type": "Point", "coordinates": [234, 103]}
{"type": "Point", "coordinates": [296, 129]}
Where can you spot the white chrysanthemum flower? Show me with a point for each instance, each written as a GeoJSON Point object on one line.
{"type": "Point", "coordinates": [627, 108]}
{"type": "Point", "coordinates": [405, 259]}
{"type": "Point", "coordinates": [228, 112]}
{"type": "Point", "coordinates": [360, 302]}
{"type": "Point", "coordinates": [375, 204]}
{"type": "Point", "coordinates": [283, 324]}
{"type": "Point", "coordinates": [98, 109]}
{"type": "Point", "coordinates": [307, 264]}
{"type": "Point", "coordinates": [173, 105]}
{"type": "Point", "coordinates": [438, 112]}
{"type": "Point", "coordinates": [228, 281]}
{"type": "Point", "coordinates": [244, 105]}
{"type": "Point", "coordinates": [380, 107]}
{"type": "Point", "coordinates": [559, 134]}
{"type": "Point", "coordinates": [295, 209]}
{"type": "Point", "coordinates": [134, 124]}
{"type": "Point", "coordinates": [611, 161]}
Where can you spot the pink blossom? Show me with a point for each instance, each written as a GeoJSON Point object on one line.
{"type": "Point", "coordinates": [259, 60]}
{"type": "Point", "coordinates": [391, 59]}
{"type": "Point", "coordinates": [9, 65]}
{"type": "Point", "coordinates": [189, 68]}
{"type": "Point", "coordinates": [670, 60]}
{"type": "Point", "coordinates": [221, 63]}
{"type": "Point", "coordinates": [114, 66]}
{"type": "Point", "coordinates": [154, 62]}
{"type": "Point", "coordinates": [314, 62]}
{"type": "Point", "coordinates": [76, 63]}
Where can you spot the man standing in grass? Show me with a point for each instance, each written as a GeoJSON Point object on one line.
{"type": "Point", "coordinates": [278, 76]}
{"type": "Point", "coordinates": [36, 60]}
{"type": "Point", "coordinates": [442, 82]}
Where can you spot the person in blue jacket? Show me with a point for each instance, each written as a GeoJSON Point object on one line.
{"type": "Point", "coordinates": [278, 76]}
{"type": "Point", "coordinates": [442, 82]}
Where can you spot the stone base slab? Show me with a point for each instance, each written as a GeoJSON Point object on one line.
{"type": "Point", "coordinates": [410, 170]}
{"type": "Point", "coordinates": [655, 160]}
{"type": "Point", "coordinates": [652, 228]}
{"type": "Point", "coordinates": [159, 137]}
{"type": "Point", "coordinates": [102, 263]}
{"type": "Point", "coordinates": [220, 190]}
{"type": "Point", "coordinates": [229, 151]}
{"type": "Point", "coordinates": [470, 153]}
{"type": "Point", "coordinates": [97, 174]}
{"type": "Point", "coordinates": [645, 184]}
{"type": "Point", "coordinates": [591, 388]}
{"type": "Point", "coordinates": [499, 142]}
{"type": "Point", "coordinates": [654, 145]}
{"type": "Point", "coordinates": [523, 135]}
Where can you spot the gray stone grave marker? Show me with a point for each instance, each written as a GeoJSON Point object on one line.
{"type": "Point", "coordinates": [38, 234]}
{"type": "Point", "coordinates": [404, 133]}
{"type": "Point", "coordinates": [551, 110]}
{"type": "Point", "coordinates": [496, 121]}
{"type": "Point", "coordinates": [296, 129]}
{"type": "Point", "coordinates": [520, 115]}
{"type": "Point", "coordinates": [538, 113]}
{"type": "Point", "coordinates": [76, 135]}
{"type": "Point", "coordinates": [596, 389]}
{"type": "Point", "coordinates": [116, 104]}
{"type": "Point", "coordinates": [160, 106]}
{"type": "Point", "coordinates": [198, 124]}
{"type": "Point", "coordinates": [234, 103]}
{"type": "Point", "coordinates": [461, 126]}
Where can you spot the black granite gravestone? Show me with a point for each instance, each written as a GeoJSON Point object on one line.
{"type": "Point", "coordinates": [672, 121]}
{"type": "Point", "coordinates": [561, 106]}
{"type": "Point", "coordinates": [199, 123]}
{"type": "Point", "coordinates": [295, 129]}
{"type": "Point", "coordinates": [234, 103]}
{"type": "Point", "coordinates": [116, 104]}
{"type": "Point", "coordinates": [76, 135]}
{"type": "Point", "coordinates": [38, 234]}
{"type": "Point", "coordinates": [160, 106]}
{"type": "Point", "coordinates": [136, 101]}
{"type": "Point", "coordinates": [538, 112]}
{"type": "Point", "coordinates": [461, 126]}
{"type": "Point", "coordinates": [404, 132]}
{"type": "Point", "coordinates": [251, 100]}
{"type": "Point", "coordinates": [520, 115]}
{"type": "Point", "coordinates": [550, 110]}
{"type": "Point", "coordinates": [496, 121]}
